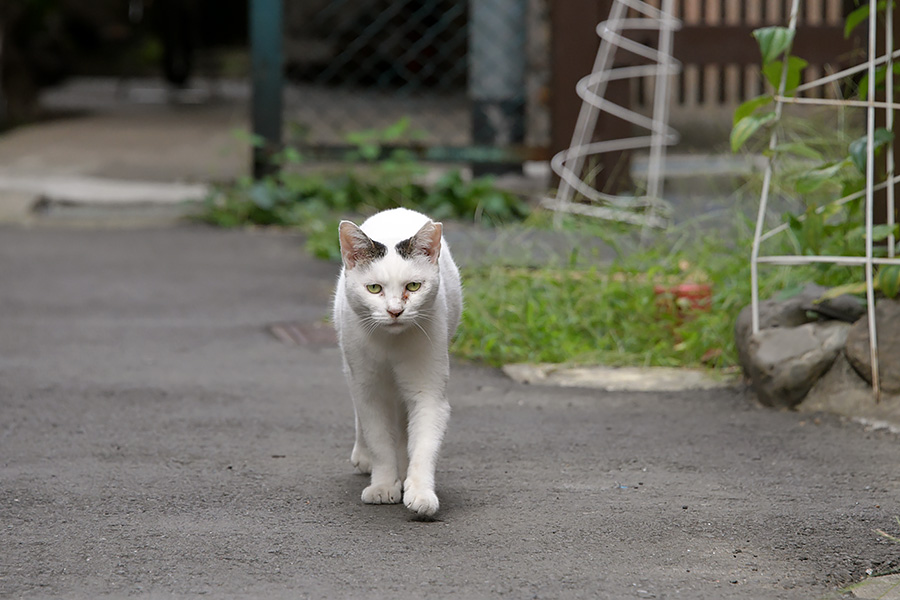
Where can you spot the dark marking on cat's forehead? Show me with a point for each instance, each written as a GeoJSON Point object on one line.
{"type": "Point", "coordinates": [373, 251]}
{"type": "Point", "coordinates": [407, 248]}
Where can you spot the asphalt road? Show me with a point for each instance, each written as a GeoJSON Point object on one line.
{"type": "Point", "coordinates": [156, 440]}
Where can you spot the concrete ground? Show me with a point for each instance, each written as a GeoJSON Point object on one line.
{"type": "Point", "coordinates": [157, 440]}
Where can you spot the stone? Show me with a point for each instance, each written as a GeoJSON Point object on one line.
{"type": "Point", "coordinates": [774, 313]}
{"type": "Point", "coordinates": [783, 363]}
{"type": "Point", "coordinates": [887, 322]}
{"type": "Point", "coordinates": [617, 379]}
{"type": "Point", "coordinates": [843, 392]}
{"type": "Point", "coordinates": [884, 587]}
{"type": "Point", "coordinates": [845, 308]}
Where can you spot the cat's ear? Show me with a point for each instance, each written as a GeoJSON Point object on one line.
{"type": "Point", "coordinates": [357, 247]}
{"type": "Point", "coordinates": [426, 242]}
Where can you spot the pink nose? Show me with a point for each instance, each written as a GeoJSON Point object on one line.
{"type": "Point", "coordinates": [395, 313]}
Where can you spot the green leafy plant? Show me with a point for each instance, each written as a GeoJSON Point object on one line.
{"type": "Point", "coordinates": [314, 202]}
{"type": "Point", "coordinates": [777, 65]}
{"type": "Point", "coordinates": [828, 178]}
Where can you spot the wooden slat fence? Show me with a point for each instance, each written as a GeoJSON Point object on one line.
{"type": "Point", "coordinates": [721, 61]}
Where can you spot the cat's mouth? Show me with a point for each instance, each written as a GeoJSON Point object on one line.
{"type": "Point", "coordinates": [395, 325]}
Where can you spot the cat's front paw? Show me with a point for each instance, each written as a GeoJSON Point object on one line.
{"type": "Point", "coordinates": [421, 501]}
{"type": "Point", "coordinates": [383, 494]}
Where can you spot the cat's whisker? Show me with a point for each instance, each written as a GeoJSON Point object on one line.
{"type": "Point", "coordinates": [428, 337]}
{"type": "Point", "coordinates": [369, 325]}
{"type": "Point", "coordinates": [430, 319]}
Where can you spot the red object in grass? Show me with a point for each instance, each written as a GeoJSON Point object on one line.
{"type": "Point", "coordinates": [686, 296]}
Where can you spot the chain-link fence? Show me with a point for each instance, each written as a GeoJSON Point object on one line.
{"type": "Point", "coordinates": [459, 72]}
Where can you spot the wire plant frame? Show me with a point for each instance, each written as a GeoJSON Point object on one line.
{"type": "Point", "coordinates": [868, 261]}
{"type": "Point", "coordinates": [647, 209]}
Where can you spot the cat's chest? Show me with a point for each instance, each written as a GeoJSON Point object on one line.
{"type": "Point", "coordinates": [385, 349]}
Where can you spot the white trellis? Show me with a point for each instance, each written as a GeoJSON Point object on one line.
{"type": "Point", "coordinates": [649, 208]}
{"type": "Point", "coordinates": [868, 261]}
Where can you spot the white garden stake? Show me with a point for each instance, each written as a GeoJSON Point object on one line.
{"type": "Point", "coordinates": [648, 209]}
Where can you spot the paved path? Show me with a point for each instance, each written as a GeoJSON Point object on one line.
{"type": "Point", "coordinates": [157, 441]}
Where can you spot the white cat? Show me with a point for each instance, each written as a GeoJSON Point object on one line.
{"type": "Point", "coordinates": [397, 305]}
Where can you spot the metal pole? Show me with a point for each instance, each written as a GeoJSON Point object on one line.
{"type": "Point", "coordinates": [891, 24]}
{"type": "Point", "coordinates": [267, 67]}
{"type": "Point", "coordinates": [870, 196]}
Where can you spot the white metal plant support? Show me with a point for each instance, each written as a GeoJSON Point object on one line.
{"type": "Point", "coordinates": [868, 261]}
{"type": "Point", "coordinates": [648, 209]}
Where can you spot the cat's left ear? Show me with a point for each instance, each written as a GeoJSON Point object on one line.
{"type": "Point", "coordinates": [426, 242]}
{"type": "Point", "coordinates": [357, 247]}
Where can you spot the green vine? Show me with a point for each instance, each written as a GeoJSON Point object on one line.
{"type": "Point", "coordinates": [830, 187]}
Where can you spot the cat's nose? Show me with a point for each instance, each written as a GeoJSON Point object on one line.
{"type": "Point", "coordinates": [395, 312]}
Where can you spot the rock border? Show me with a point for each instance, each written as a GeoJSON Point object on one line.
{"type": "Point", "coordinates": [814, 356]}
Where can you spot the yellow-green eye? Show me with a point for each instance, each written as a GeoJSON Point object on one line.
{"type": "Point", "coordinates": [413, 286]}
{"type": "Point", "coordinates": [374, 288]}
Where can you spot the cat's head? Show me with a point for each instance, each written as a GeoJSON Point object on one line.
{"type": "Point", "coordinates": [391, 286]}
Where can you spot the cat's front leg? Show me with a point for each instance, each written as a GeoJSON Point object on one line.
{"type": "Point", "coordinates": [428, 416]}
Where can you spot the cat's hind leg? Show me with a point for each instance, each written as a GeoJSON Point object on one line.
{"type": "Point", "coordinates": [376, 410]}
{"type": "Point", "coordinates": [360, 457]}
{"type": "Point", "coordinates": [402, 441]}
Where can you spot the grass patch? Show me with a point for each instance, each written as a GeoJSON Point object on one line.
{"type": "Point", "coordinates": [612, 314]}
{"type": "Point", "coordinates": [566, 315]}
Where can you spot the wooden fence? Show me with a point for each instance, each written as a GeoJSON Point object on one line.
{"type": "Point", "coordinates": [721, 61]}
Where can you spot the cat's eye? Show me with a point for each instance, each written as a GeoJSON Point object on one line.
{"type": "Point", "coordinates": [374, 288]}
{"type": "Point", "coordinates": [413, 286]}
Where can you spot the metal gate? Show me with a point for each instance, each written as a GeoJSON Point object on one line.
{"type": "Point", "coordinates": [455, 71]}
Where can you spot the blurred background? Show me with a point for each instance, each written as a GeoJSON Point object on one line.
{"type": "Point", "coordinates": [465, 76]}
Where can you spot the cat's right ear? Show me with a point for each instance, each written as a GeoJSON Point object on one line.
{"type": "Point", "coordinates": [357, 247]}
